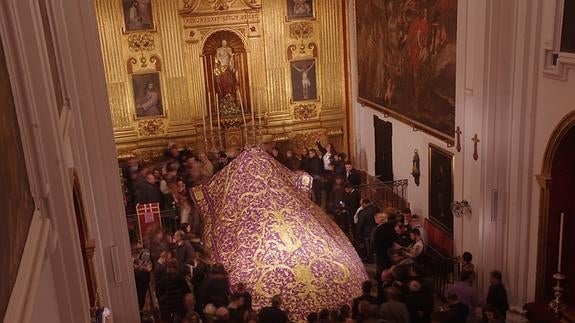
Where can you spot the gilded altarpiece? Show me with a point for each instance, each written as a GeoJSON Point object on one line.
{"type": "Point", "coordinates": [273, 46]}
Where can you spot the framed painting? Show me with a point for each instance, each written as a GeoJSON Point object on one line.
{"type": "Point", "coordinates": [147, 95]}
{"type": "Point", "coordinates": [441, 187]}
{"type": "Point", "coordinates": [568, 27]}
{"type": "Point", "coordinates": [300, 9]}
{"type": "Point", "coordinates": [304, 80]}
{"type": "Point", "coordinates": [138, 15]}
{"type": "Point", "coordinates": [406, 61]}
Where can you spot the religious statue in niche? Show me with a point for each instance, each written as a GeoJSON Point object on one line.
{"type": "Point", "coordinates": [415, 171]}
{"type": "Point", "coordinates": [225, 61]}
{"type": "Point", "coordinates": [225, 78]}
{"type": "Point", "coordinates": [138, 15]}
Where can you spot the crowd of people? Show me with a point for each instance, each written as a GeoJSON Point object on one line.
{"type": "Point", "coordinates": [174, 272]}
{"type": "Point", "coordinates": [405, 290]}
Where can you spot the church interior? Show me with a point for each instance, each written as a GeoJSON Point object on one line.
{"type": "Point", "coordinates": [245, 161]}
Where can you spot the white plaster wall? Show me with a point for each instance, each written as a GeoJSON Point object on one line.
{"type": "Point", "coordinates": [497, 63]}
{"type": "Point", "coordinates": [80, 137]}
{"type": "Point", "coordinates": [46, 304]}
{"type": "Point", "coordinates": [405, 141]}
{"type": "Point", "coordinates": [505, 97]}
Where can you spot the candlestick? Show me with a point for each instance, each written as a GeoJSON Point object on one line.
{"type": "Point", "coordinates": [556, 305]}
{"type": "Point", "coordinates": [212, 123]}
{"type": "Point", "coordinates": [253, 113]}
{"type": "Point", "coordinates": [242, 107]}
{"type": "Point", "coordinates": [560, 243]}
{"type": "Point", "coordinates": [204, 121]}
{"type": "Point", "coordinates": [219, 122]}
{"type": "Point", "coordinates": [259, 111]}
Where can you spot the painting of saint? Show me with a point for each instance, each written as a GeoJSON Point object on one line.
{"type": "Point", "coordinates": [147, 95]}
{"type": "Point", "coordinates": [406, 61]}
{"type": "Point", "coordinates": [138, 15]}
{"type": "Point", "coordinates": [300, 9]}
{"type": "Point", "coordinates": [303, 80]}
{"type": "Point", "coordinates": [440, 187]}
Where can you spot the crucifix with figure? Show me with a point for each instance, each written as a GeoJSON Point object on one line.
{"type": "Point", "coordinates": [475, 140]}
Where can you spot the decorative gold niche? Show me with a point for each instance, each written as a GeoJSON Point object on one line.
{"type": "Point", "coordinates": [212, 43]}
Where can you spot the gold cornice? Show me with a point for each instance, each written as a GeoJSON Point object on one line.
{"type": "Point", "coordinates": [195, 7]}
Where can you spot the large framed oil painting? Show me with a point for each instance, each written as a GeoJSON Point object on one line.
{"type": "Point", "coordinates": [300, 9]}
{"type": "Point", "coordinates": [441, 187]}
{"type": "Point", "coordinates": [406, 61]}
{"type": "Point", "coordinates": [568, 27]}
{"type": "Point", "coordinates": [147, 95]}
{"type": "Point", "coordinates": [304, 80]}
{"type": "Point", "coordinates": [138, 15]}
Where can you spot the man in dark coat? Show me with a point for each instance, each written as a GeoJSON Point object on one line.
{"type": "Point", "coordinates": [497, 295]}
{"type": "Point", "coordinates": [148, 190]}
{"type": "Point", "coordinates": [314, 167]}
{"type": "Point", "coordinates": [352, 175]}
{"type": "Point", "coordinates": [351, 200]}
{"type": "Point", "coordinates": [382, 240]}
{"type": "Point", "coordinates": [274, 313]}
{"type": "Point", "coordinates": [416, 302]}
{"type": "Point", "coordinates": [457, 312]}
{"type": "Point", "coordinates": [184, 252]}
{"type": "Point", "coordinates": [366, 296]}
{"type": "Point", "coordinates": [366, 224]}
{"type": "Point", "coordinates": [131, 175]}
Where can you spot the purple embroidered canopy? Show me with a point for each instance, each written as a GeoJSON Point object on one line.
{"type": "Point", "coordinates": [260, 223]}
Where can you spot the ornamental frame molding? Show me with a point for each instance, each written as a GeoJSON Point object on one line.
{"type": "Point", "coordinates": [556, 64]}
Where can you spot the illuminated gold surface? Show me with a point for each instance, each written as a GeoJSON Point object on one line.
{"type": "Point", "coordinates": [181, 26]}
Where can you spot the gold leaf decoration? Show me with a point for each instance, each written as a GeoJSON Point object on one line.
{"type": "Point", "coordinates": [141, 42]}
{"type": "Point", "coordinates": [305, 111]}
{"type": "Point", "coordinates": [149, 157]}
{"type": "Point", "coordinates": [151, 127]}
{"type": "Point", "coordinates": [307, 139]}
{"type": "Point", "coordinates": [221, 5]}
{"type": "Point", "coordinates": [231, 123]}
{"type": "Point", "coordinates": [301, 30]}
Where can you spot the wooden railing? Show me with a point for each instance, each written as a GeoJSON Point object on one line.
{"type": "Point", "coordinates": [385, 194]}
{"type": "Point", "coordinates": [442, 269]}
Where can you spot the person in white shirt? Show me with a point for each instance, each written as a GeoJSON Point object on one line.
{"type": "Point", "coordinates": [328, 155]}
{"type": "Point", "coordinates": [416, 248]}
{"type": "Point", "coordinates": [415, 223]}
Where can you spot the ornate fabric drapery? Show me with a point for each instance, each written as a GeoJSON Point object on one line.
{"type": "Point", "coordinates": [259, 222]}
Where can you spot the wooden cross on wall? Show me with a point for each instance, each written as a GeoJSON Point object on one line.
{"type": "Point", "coordinates": [475, 140]}
{"type": "Point", "coordinates": [458, 133]}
